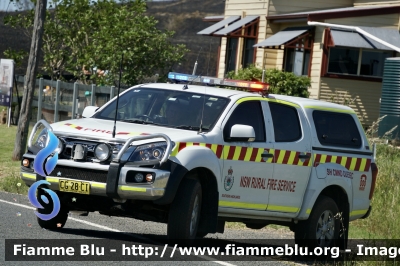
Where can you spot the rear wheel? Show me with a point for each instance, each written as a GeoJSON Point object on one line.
{"type": "Point", "coordinates": [184, 214]}
{"type": "Point", "coordinates": [322, 227]}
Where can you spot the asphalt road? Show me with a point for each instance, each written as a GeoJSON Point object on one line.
{"type": "Point", "coordinates": [18, 221]}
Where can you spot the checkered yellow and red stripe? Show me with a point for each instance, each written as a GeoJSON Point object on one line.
{"type": "Point", "coordinates": [250, 154]}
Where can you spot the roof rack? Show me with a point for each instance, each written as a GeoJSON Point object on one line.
{"type": "Point", "coordinates": [251, 86]}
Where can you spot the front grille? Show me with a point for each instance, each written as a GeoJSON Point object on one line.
{"type": "Point", "coordinates": [80, 173]}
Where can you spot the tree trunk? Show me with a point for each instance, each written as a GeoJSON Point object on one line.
{"type": "Point", "coordinates": [29, 86]}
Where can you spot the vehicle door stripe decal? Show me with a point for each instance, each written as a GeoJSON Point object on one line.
{"type": "Point", "coordinates": [287, 157]}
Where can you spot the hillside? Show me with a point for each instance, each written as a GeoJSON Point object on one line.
{"type": "Point", "coordinates": [182, 16]}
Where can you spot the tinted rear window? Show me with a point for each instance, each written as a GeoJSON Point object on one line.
{"type": "Point", "coordinates": [336, 129]}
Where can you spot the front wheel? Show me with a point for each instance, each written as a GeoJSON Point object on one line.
{"type": "Point", "coordinates": [322, 227]}
{"type": "Point", "coordinates": [56, 222]}
{"type": "Point", "coordinates": [184, 213]}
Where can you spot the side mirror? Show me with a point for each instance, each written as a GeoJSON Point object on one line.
{"type": "Point", "coordinates": [242, 133]}
{"type": "Point", "coordinates": [89, 111]}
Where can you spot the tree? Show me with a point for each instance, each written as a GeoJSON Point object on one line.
{"type": "Point", "coordinates": [82, 35]}
{"type": "Point", "coordinates": [31, 72]}
{"type": "Point", "coordinates": [280, 82]}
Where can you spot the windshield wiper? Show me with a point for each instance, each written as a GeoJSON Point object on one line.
{"type": "Point", "coordinates": [137, 121]}
{"type": "Point", "coordinates": [188, 127]}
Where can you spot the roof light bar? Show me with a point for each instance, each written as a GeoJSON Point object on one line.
{"type": "Point", "coordinates": [254, 86]}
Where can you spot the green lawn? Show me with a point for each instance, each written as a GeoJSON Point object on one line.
{"type": "Point", "coordinates": [9, 169]}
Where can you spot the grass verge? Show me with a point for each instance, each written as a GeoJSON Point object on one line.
{"type": "Point", "coordinates": [9, 169]}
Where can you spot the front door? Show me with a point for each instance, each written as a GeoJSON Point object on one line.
{"type": "Point", "coordinates": [247, 164]}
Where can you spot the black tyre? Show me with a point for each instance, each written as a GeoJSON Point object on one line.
{"type": "Point", "coordinates": [322, 227]}
{"type": "Point", "coordinates": [201, 234]}
{"type": "Point", "coordinates": [55, 223]}
{"type": "Point", "coordinates": [184, 213]}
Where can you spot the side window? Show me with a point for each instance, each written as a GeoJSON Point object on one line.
{"type": "Point", "coordinates": [286, 122]}
{"type": "Point", "coordinates": [336, 129]}
{"type": "Point", "coordinates": [250, 114]}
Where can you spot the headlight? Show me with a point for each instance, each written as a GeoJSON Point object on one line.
{"type": "Point", "coordinates": [42, 139]}
{"type": "Point", "coordinates": [149, 152]}
{"type": "Point", "coordinates": [60, 146]}
{"type": "Point", "coordinates": [102, 152]}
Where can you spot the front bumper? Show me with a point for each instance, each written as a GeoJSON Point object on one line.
{"type": "Point", "coordinates": [125, 190]}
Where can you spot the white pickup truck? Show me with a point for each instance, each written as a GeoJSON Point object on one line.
{"type": "Point", "coordinates": [195, 157]}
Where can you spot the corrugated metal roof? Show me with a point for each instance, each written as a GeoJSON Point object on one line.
{"type": "Point", "coordinates": [332, 10]}
{"type": "Point", "coordinates": [283, 36]}
{"type": "Point", "coordinates": [355, 39]}
{"type": "Point", "coordinates": [236, 25]}
{"type": "Point", "coordinates": [219, 25]}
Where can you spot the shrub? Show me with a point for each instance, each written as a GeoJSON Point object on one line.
{"type": "Point", "coordinates": [280, 82]}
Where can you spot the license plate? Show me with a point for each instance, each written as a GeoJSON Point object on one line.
{"type": "Point", "coordinates": [74, 186]}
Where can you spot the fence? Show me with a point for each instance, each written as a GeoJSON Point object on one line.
{"type": "Point", "coordinates": [57, 100]}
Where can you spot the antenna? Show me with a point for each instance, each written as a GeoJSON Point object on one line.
{"type": "Point", "coordinates": [195, 64]}
{"type": "Point", "coordinates": [202, 111]}
{"type": "Point", "coordinates": [119, 87]}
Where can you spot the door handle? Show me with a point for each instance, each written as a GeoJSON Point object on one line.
{"type": "Point", "coordinates": [304, 156]}
{"type": "Point", "coordinates": [267, 155]}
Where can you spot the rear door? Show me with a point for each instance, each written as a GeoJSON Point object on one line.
{"type": "Point", "coordinates": [292, 159]}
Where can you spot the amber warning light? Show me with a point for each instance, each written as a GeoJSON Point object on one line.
{"type": "Point", "coordinates": [254, 86]}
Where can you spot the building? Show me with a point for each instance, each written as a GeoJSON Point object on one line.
{"type": "Point", "coordinates": [278, 34]}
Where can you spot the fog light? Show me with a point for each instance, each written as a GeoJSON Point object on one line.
{"type": "Point", "coordinates": [149, 177]}
{"type": "Point", "coordinates": [25, 162]}
{"type": "Point", "coordinates": [139, 178]}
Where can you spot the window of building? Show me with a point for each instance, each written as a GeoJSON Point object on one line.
{"type": "Point", "coordinates": [336, 129]}
{"type": "Point", "coordinates": [286, 122]}
{"type": "Point", "coordinates": [297, 61]}
{"type": "Point", "coordinates": [247, 33]}
{"type": "Point", "coordinates": [248, 52]}
{"type": "Point", "coordinates": [247, 113]}
{"type": "Point", "coordinates": [357, 61]}
{"type": "Point", "coordinates": [298, 55]}
{"type": "Point", "coordinates": [231, 54]}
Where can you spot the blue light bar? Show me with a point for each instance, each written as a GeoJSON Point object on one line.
{"type": "Point", "coordinates": [250, 85]}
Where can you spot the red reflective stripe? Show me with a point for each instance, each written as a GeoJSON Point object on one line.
{"type": "Point", "coordinates": [339, 159]}
{"type": "Point", "coordinates": [219, 151]}
{"type": "Point", "coordinates": [254, 154]}
{"type": "Point", "coordinates": [367, 165]}
{"type": "Point", "coordinates": [307, 161]}
{"type": "Point", "coordinates": [67, 124]}
{"type": "Point", "coordinates": [286, 157]}
{"type": "Point", "coordinates": [231, 152]}
{"type": "Point", "coordinates": [182, 145]}
{"type": "Point", "coordinates": [276, 156]}
{"type": "Point", "coordinates": [196, 144]}
{"type": "Point", "coordinates": [358, 163]}
{"type": "Point", "coordinates": [208, 146]}
{"type": "Point", "coordinates": [296, 158]}
{"type": "Point", "coordinates": [317, 160]}
{"type": "Point", "coordinates": [122, 133]}
{"type": "Point", "coordinates": [348, 163]}
{"type": "Point", "coordinates": [242, 153]}
{"type": "Point", "coordinates": [328, 158]}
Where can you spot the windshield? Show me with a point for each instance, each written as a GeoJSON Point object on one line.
{"type": "Point", "coordinates": [177, 109]}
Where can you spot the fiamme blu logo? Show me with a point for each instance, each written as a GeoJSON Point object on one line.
{"type": "Point", "coordinates": [43, 165]}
